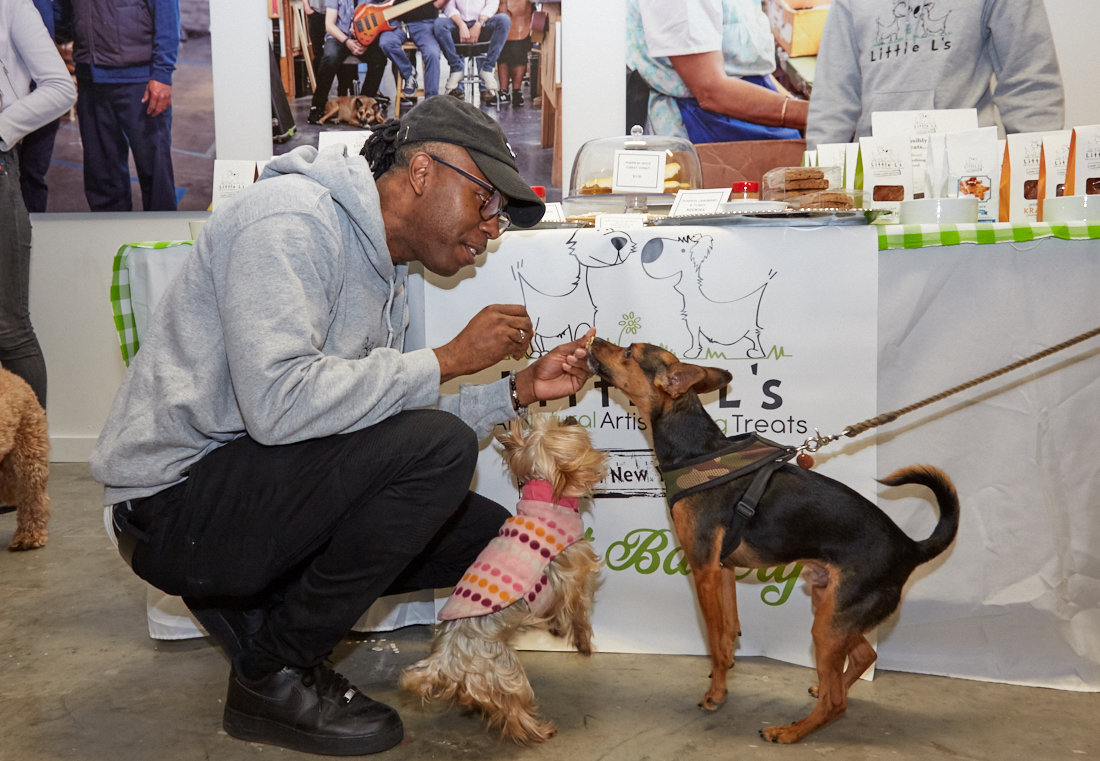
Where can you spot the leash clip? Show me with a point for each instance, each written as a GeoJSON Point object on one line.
{"type": "Point", "coordinates": [814, 443]}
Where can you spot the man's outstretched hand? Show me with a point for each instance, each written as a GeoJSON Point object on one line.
{"type": "Point", "coordinates": [557, 374]}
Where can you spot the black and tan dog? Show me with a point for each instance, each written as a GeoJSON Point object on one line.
{"type": "Point", "coordinates": [358, 110]}
{"type": "Point", "coordinates": [857, 558]}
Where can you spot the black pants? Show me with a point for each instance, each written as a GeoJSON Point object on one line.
{"type": "Point", "coordinates": [323, 527]}
{"type": "Point", "coordinates": [330, 67]}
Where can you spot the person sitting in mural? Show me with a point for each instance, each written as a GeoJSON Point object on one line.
{"type": "Point", "coordinates": [707, 66]}
{"type": "Point", "coordinates": [513, 56]}
{"type": "Point", "coordinates": [468, 21]}
{"type": "Point", "coordinates": [943, 54]}
{"type": "Point", "coordinates": [339, 44]}
{"type": "Point", "coordinates": [417, 25]}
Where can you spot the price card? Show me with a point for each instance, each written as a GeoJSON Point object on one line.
{"type": "Point", "coordinates": [638, 172]}
{"type": "Point", "coordinates": [620, 221]}
{"type": "Point", "coordinates": [554, 213]}
{"type": "Point", "coordinates": [230, 177]}
{"type": "Point", "coordinates": [351, 139]}
{"type": "Point", "coordinates": [704, 201]}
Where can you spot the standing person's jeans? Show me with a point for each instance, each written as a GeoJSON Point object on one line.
{"type": "Point", "coordinates": [494, 31]}
{"type": "Point", "coordinates": [316, 531]}
{"type": "Point", "coordinates": [114, 122]}
{"type": "Point", "coordinates": [19, 349]}
{"type": "Point", "coordinates": [423, 34]}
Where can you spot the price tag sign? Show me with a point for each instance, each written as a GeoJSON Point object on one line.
{"type": "Point", "coordinates": [554, 213]}
{"type": "Point", "coordinates": [638, 172]}
{"type": "Point", "coordinates": [620, 221]}
{"type": "Point", "coordinates": [704, 201]}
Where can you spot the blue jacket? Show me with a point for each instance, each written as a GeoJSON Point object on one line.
{"type": "Point", "coordinates": [125, 40]}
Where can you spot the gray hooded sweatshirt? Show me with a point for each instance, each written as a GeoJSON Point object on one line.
{"type": "Point", "coordinates": [915, 55]}
{"type": "Point", "coordinates": [286, 322]}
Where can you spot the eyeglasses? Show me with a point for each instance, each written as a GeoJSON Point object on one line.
{"type": "Point", "coordinates": [492, 206]}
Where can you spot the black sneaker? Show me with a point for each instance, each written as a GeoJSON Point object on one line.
{"type": "Point", "coordinates": [314, 115]}
{"type": "Point", "coordinates": [489, 98]}
{"type": "Point", "coordinates": [517, 99]}
{"type": "Point", "coordinates": [313, 711]}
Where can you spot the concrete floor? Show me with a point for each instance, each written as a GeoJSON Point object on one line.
{"type": "Point", "coordinates": [80, 679]}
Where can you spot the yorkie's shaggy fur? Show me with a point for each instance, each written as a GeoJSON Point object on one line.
{"type": "Point", "coordinates": [24, 462]}
{"type": "Point", "coordinates": [472, 662]}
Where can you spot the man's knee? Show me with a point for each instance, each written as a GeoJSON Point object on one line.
{"type": "Point", "coordinates": [448, 440]}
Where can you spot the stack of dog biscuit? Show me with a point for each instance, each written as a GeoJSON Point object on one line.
{"type": "Point", "coordinates": [803, 187]}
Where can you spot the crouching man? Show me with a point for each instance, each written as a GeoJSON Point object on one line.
{"type": "Point", "coordinates": [276, 457]}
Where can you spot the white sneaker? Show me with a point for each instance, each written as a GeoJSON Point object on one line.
{"type": "Point", "coordinates": [490, 80]}
{"type": "Point", "coordinates": [453, 81]}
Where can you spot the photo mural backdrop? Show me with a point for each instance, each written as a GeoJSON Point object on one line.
{"type": "Point", "coordinates": [791, 315]}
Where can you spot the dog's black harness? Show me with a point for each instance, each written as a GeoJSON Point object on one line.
{"type": "Point", "coordinates": [746, 454]}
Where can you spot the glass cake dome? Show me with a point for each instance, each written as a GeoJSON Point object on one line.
{"type": "Point", "coordinates": [591, 183]}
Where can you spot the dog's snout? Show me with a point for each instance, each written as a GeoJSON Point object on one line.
{"type": "Point", "coordinates": [651, 252]}
{"type": "Point", "coordinates": [618, 243]}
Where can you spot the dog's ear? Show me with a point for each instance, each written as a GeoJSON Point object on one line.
{"type": "Point", "coordinates": [570, 421]}
{"type": "Point", "coordinates": [681, 377]}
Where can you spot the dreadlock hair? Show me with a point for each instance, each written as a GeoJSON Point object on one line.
{"type": "Point", "coordinates": [381, 154]}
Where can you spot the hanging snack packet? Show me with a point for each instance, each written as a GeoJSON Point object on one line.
{"type": "Point", "coordinates": [974, 169]}
{"type": "Point", "coordinates": [1083, 163]}
{"type": "Point", "coordinates": [1053, 160]}
{"type": "Point", "coordinates": [887, 167]}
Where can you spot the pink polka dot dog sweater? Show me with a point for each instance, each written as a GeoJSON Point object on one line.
{"type": "Point", "coordinates": [512, 566]}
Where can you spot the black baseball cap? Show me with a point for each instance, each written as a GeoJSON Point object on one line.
{"type": "Point", "coordinates": [446, 119]}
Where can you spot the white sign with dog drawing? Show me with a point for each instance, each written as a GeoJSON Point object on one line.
{"type": "Point", "coordinates": [792, 317]}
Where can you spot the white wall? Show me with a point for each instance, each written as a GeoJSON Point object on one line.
{"type": "Point", "coordinates": [70, 303]}
{"type": "Point", "coordinates": [1075, 24]}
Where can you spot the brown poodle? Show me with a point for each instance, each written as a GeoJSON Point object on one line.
{"type": "Point", "coordinates": [24, 465]}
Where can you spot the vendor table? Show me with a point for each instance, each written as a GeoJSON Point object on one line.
{"type": "Point", "coordinates": [823, 328]}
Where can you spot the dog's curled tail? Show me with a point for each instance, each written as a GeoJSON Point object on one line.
{"type": "Point", "coordinates": [948, 500]}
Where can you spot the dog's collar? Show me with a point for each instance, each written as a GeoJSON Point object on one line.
{"type": "Point", "coordinates": [543, 491]}
{"type": "Point", "coordinates": [745, 454]}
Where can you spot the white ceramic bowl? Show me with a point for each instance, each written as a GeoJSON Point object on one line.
{"type": "Point", "coordinates": [752, 204]}
{"type": "Point", "coordinates": [939, 211]}
{"type": "Point", "coordinates": [1071, 209]}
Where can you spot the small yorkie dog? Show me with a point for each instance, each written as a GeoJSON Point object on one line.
{"type": "Point", "coordinates": [539, 572]}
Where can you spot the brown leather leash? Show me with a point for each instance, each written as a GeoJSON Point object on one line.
{"type": "Point", "coordinates": [814, 443]}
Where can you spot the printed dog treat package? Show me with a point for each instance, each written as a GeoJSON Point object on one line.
{"type": "Point", "coordinates": [851, 164]}
{"type": "Point", "coordinates": [1019, 191]}
{"type": "Point", "coordinates": [833, 154]}
{"type": "Point", "coordinates": [886, 164]}
{"type": "Point", "coordinates": [918, 126]}
{"type": "Point", "coordinates": [935, 166]}
{"type": "Point", "coordinates": [1053, 161]}
{"type": "Point", "coordinates": [1083, 163]}
{"type": "Point", "coordinates": [974, 169]}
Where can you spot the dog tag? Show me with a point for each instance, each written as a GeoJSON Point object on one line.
{"type": "Point", "coordinates": [804, 461]}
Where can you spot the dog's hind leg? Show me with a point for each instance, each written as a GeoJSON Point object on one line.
{"type": "Point", "coordinates": [832, 645]}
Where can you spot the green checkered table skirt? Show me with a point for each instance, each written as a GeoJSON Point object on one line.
{"type": "Point", "coordinates": [922, 236]}
{"type": "Point", "coordinates": [120, 296]}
